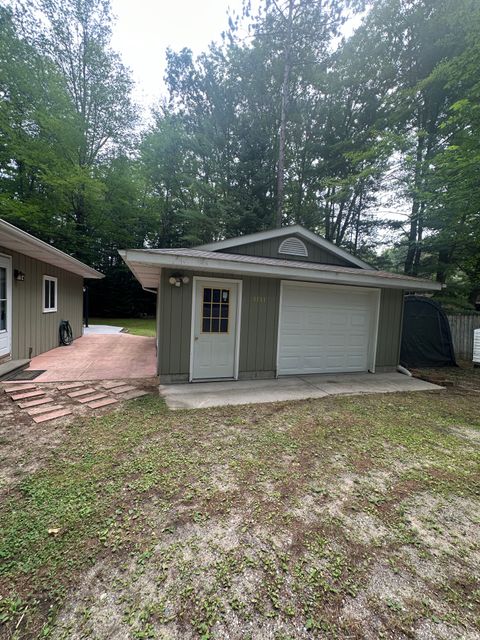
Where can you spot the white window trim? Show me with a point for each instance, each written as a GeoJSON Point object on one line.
{"type": "Point", "coordinates": [50, 279]}
{"type": "Point", "coordinates": [9, 328]}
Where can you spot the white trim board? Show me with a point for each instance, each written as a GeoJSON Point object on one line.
{"type": "Point", "coordinates": [238, 317]}
{"type": "Point", "coordinates": [280, 233]}
{"type": "Point", "coordinates": [373, 333]}
{"type": "Point", "coordinates": [145, 265]}
{"type": "Point", "coordinates": [9, 268]}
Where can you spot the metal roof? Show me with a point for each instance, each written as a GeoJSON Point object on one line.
{"type": "Point", "coordinates": [146, 265]}
{"type": "Point", "coordinates": [15, 239]}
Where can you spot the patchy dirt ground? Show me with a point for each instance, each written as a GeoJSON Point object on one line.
{"type": "Point", "coordinates": [335, 518]}
{"type": "Point", "coordinates": [26, 446]}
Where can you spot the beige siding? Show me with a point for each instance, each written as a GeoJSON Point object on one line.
{"type": "Point", "coordinates": [389, 328]}
{"type": "Point", "coordinates": [34, 331]}
{"type": "Point", "coordinates": [258, 336]}
{"type": "Point", "coordinates": [269, 249]}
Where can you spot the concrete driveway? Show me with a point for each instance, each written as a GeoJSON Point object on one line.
{"type": "Point", "coordinates": [98, 357]}
{"type": "Point", "coordinates": [216, 394]}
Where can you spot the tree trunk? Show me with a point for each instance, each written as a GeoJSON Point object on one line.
{"type": "Point", "coordinates": [283, 119]}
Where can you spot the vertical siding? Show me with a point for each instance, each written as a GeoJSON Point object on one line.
{"type": "Point", "coordinates": [34, 331]}
{"type": "Point", "coordinates": [389, 328]}
{"type": "Point", "coordinates": [259, 327]}
{"type": "Point", "coordinates": [462, 328]}
{"type": "Point", "coordinates": [269, 249]}
{"type": "Point", "coordinates": [258, 333]}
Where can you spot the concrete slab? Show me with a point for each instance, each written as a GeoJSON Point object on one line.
{"type": "Point", "coordinates": [217, 394]}
{"type": "Point", "coordinates": [99, 357]}
{"type": "Point", "coordinates": [103, 329]}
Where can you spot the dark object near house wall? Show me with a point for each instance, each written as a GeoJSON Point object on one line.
{"type": "Point", "coordinates": [426, 337]}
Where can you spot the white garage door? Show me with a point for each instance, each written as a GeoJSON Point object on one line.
{"type": "Point", "coordinates": [326, 329]}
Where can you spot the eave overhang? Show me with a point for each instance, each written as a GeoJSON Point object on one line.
{"type": "Point", "coordinates": [15, 239]}
{"type": "Point", "coordinates": [146, 265]}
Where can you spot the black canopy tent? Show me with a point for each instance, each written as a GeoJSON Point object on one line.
{"type": "Point", "coordinates": [426, 337]}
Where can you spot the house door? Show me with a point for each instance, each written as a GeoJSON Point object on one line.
{"type": "Point", "coordinates": [5, 306]}
{"type": "Point", "coordinates": [215, 327]}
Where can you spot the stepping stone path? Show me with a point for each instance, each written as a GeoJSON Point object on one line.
{"type": "Point", "coordinates": [44, 403]}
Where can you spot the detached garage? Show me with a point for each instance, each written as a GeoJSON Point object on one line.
{"type": "Point", "coordinates": [274, 303]}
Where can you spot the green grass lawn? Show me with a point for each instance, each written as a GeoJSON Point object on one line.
{"type": "Point", "coordinates": [135, 326]}
{"type": "Point", "coordinates": [347, 517]}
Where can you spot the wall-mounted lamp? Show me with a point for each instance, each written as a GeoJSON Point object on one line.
{"type": "Point", "coordinates": [19, 275]}
{"type": "Point", "coordinates": [176, 280]}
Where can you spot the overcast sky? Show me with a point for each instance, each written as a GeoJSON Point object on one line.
{"type": "Point", "coordinates": [146, 28]}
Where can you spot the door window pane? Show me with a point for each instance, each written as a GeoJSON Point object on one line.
{"type": "Point", "coordinates": [3, 283]}
{"type": "Point", "coordinates": [3, 315]}
{"type": "Point", "coordinates": [3, 299]}
{"type": "Point", "coordinates": [215, 310]}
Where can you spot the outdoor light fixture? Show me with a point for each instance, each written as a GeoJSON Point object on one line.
{"type": "Point", "coordinates": [19, 275]}
{"type": "Point", "coordinates": [176, 280]}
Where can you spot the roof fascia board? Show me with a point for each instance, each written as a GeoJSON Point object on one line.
{"type": "Point", "coordinates": [279, 233]}
{"type": "Point", "coordinates": [144, 257]}
{"type": "Point", "coordinates": [74, 265]}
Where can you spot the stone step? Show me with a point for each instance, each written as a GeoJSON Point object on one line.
{"type": "Point", "coordinates": [19, 388]}
{"type": "Point", "coordinates": [28, 394]}
{"type": "Point", "coordinates": [46, 408]}
{"type": "Point", "coordinates": [101, 403]}
{"type": "Point", "coordinates": [34, 403]}
{"type": "Point", "coordinates": [127, 387]}
{"type": "Point", "coordinates": [45, 417]}
{"type": "Point", "coordinates": [130, 395]}
{"type": "Point", "coordinates": [96, 396]}
{"type": "Point", "coordinates": [7, 368]}
{"type": "Point", "coordinates": [112, 384]}
{"type": "Point", "coordinates": [82, 392]}
{"type": "Point", "coordinates": [70, 385]}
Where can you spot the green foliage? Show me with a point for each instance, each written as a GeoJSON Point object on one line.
{"type": "Point", "coordinates": [389, 113]}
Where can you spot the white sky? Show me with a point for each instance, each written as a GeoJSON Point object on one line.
{"type": "Point", "coordinates": [146, 28]}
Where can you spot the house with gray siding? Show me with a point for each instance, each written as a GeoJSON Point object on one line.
{"type": "Point", "coordinates": [39, 287]}
{"type": "Point", "coordinates": [273, 303]}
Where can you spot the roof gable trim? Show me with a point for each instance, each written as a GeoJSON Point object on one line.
{"type": "Point", "coordinates": [283, 231]}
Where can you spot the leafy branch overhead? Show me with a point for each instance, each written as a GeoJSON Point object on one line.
{"type": "Point", "coordinates": [359, 121]}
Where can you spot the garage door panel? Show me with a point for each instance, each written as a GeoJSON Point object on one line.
{"type": "Point", "coordinates": [324, 329]}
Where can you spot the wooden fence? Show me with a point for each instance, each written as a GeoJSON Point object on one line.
{"type": "Point", "coordinates": [462, 327]}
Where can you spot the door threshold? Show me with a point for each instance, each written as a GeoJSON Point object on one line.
{"type": "Point", "coordinates": [213, 380]}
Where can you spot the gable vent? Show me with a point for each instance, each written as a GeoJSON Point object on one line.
{"type": "Point", "coordinates": [293, 247]}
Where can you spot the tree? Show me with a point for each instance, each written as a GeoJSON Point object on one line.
{"type": "Point", "coordinates": [75, 36]}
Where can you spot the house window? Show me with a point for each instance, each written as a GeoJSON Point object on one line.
{"type": "Point", "coordinates": [293, 247]}
{"type": "Point", "coordinates": [49, 294]}
{"type": "Point", "coordinates": [216, 310]}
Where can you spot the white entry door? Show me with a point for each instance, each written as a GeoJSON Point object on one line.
{"type": "Point", "coordinates": [327, 329]}
{"type": "Point", "coordinates": [214, 346]}
{"type": "Point", "coordinates": [5, 306]}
